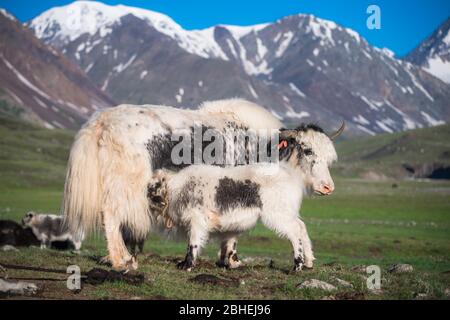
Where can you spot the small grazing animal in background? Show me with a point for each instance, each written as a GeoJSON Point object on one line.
{"type": "Point", "coordinates": [49, 228]}
{"type": "Point", "coordinates": [13, 234]}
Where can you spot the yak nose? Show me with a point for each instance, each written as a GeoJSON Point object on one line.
{"type": "Point", "coordinates": [326, 189]}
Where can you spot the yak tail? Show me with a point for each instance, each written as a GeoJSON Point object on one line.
{"type": "Point", "coordinates": [82, 191]}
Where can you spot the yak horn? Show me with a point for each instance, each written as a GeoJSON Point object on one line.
{"type": "Point", "coordinates": [338, 132]}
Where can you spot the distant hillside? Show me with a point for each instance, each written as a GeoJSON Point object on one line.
{"type": "Point", "coordinates": [421, 153]}
{"type": "Point", "coordinates": [46, 86]}
{"type": "Point", "coordinates": [32, 156]}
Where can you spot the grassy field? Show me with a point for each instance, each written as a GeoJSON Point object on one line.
{"type": "Point", "coordinates": [363, 223]}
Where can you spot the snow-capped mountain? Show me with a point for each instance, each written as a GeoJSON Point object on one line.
{"type": "Point", "coordinates": [42, 83]}
{"type": "Point", "coordinates": [301, 68]}
{"type": "Point", "coordinates": [433, 54]}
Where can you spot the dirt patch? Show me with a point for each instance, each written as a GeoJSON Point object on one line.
{"type": "Point", "coordinates": [157, 297]}
{"type": "Point", "coordinates": [274, 288]}
{"type": "Point", "coordinates": [204, 264]}
{"type": "Point", "coordinates": [214, 280]}
{"type": "Point", "coordinates": [350, 296]}
{"type": "Point", "coordinates": [98, 276]}
{"type": "Point", "coordinates": [375, 250]}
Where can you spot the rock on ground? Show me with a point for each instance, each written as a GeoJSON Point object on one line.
{"type": "Point", "coordinates": [401, 268]}
{"type": "Point", "coordinates": [17, 288]}
{"type": "Point", "coordinates": [447, 292]}
{"type": "Point", "coordinates": [316, 284]}
{"type": "Point", "coordinates": [343, 283]}
{"type": "Point", "coordinates": [8, 247]}
{"type": "Point", "coordinates": [420, 296]}
{"type": "Point", "coordinates": [360, 269]}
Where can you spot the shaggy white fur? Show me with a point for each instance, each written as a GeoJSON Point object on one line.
{"type": "Point", "coordinates": [110, 165]}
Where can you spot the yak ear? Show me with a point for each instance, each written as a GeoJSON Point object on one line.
{"type": "Point", "coordinates": [283, 144]}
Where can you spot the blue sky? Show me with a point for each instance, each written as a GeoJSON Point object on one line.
{"type": "Point", "coordinates": [404, 24]}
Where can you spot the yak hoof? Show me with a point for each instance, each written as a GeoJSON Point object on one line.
{"type": "Point", "coordinates": [185, 265]}
{"type": "Point", "coordinates": [233, 261]}
{"type": "Point", "coordinates": [105, 261]}
{"type": "Point", "coordinates": [298, 267]}
{"type": "Point", "coordinates": [126, 266]}
{"type": "Point", "coordinates": [132, 264]}
{"type": "Point", "coordinates": [309, 263]}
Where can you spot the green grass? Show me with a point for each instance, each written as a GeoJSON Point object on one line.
{"type": "Point", "coordinates": [363, 223]}
{"type": "Point", "coordinates": [347, 229]}
{"type": "Point", "coordinates": [31, 156]}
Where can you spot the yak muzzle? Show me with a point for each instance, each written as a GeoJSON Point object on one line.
{"type": "Point", "coordinates": [324, 190]}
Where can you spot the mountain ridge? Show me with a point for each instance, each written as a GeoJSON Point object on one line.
{"type": "Point", "coordinates": [45, 85]}
{"type": "Point", "coordinates": [433, 53]}
{"type": "Point", "coordinates": [300, 67]}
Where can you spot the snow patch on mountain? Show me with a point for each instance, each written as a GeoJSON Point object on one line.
{"type": "Point", "coordinates": [362, 128]}
{"type": "Point", "coordinates": [70, 22]}
{"type": "Point", "coordinates": [439, 68]}
{"type": "Point", "coordinates": [286, 40]}
{"type": "Point", "coordinates": [143, 74]}
{"type": "Point", "coordinates": [121, 67]}
{"type": "Point", "coordinates": [384, 126]}
{"type": "Point", "coordinates": [241, 31]}
{"type": "Point", "coordinates": [23, 79]}
{"type": "Point", "coordinates": [252, 91]}
{"type": "Point", "coordinates": [430, 120]}
{"type": "Point", "coordinates": [262, 50]}
{"type": "Point", "coordinates": [322, 29]}
{"type": "Point", "coordinates": [296, 90]}
{"type": "Point", "coordinates": [361, 120]}
{"type": "Point", "coordinates": [7, 14]}
{"type": "Point", "coordinates": [179, 95]}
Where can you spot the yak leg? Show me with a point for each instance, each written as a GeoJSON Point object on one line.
{"type": "Point", "coordinates": [290, 228]}
{"type": "Point", "coordinates": [118, 254]}
{"type": "Point", "coordinates": [141, 246]}
{"type": "Point", "coordinates": [77, 245]}
{"type": "Point", "coordinates": [45, 242]}
{"type": "Point", "coordinates": [307, 246]}
{"type": "Point", "coordinates": [228, 254]}
{"type": "Point", "coordinates": [198, 235]}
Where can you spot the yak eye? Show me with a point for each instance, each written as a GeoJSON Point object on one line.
{"type": "Point", "coordinates": [308, 152]}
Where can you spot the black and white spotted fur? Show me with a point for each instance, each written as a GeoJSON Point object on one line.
{"type": "Point", "coordinates": [49, 228]}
